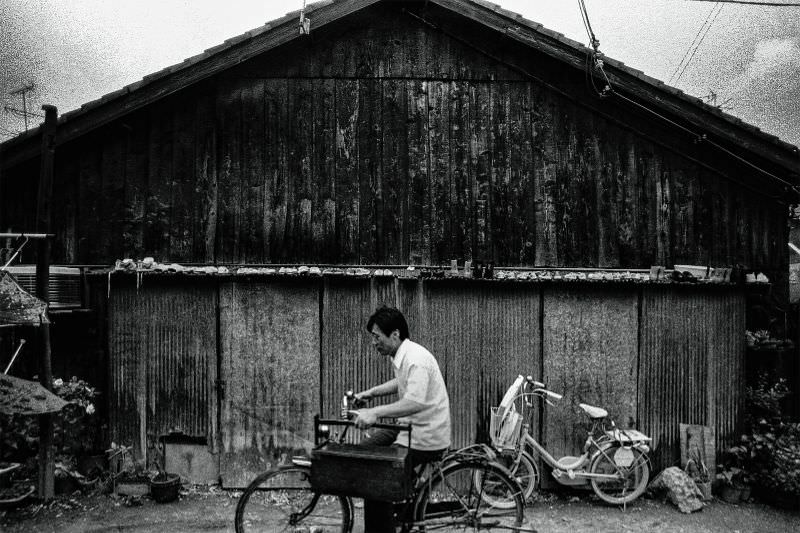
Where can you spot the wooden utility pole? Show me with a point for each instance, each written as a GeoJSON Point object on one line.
{"type": "Point", "coordinates": [43, 223]}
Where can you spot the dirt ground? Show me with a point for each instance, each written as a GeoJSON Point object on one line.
{"type": "Point", "coordinates": [212, 510]}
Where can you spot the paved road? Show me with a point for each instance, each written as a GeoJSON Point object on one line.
{"type": "Point", "coordinates": [213, 511]}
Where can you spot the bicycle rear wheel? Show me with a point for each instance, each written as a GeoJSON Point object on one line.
{"type": "Point", "coordinates": [464, 496]}
{"type": "Point", "coordinates": [625, 483]}
{"type": "Point", "coordinates": [282, 500]}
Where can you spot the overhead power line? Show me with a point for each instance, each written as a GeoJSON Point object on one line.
{"type": "Point", "coordinates": [609, 89]}
{"type": "Point", "coordinates": [753, 3]}
{"type": "Point", "coordinates": [707, 25]}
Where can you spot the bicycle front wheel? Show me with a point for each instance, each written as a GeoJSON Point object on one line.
{"type": "Point", "coordinates": [282, 500]}
{"type": "Point", "coordinates": [622, 483]}
{"type": "Point", "coordinates": [523, 470]}
{"type": "Point", "coordinates": [466, 495]}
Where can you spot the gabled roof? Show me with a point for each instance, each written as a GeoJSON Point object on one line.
{"type": "Point", "coordinates": [514, 26]}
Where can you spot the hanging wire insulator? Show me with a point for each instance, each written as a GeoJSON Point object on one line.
{"type": "Point", "coordinates": [305, 26]}
{"type": "Point", "coordinates": [305, 22]}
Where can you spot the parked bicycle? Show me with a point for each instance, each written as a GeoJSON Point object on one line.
{"type": "Point", "coordinates": [614, 461]}
{"type": "Point", "coordinates": [315, 493]}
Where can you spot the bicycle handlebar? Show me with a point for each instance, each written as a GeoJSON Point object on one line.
{"type": "Point", "coordinates": [552, 394]}
{"type": "Point", "coordinates": [541, 388]}
{"type": "Point", "coordinates": [338, 422]}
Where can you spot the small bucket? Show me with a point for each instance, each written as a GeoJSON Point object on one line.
{"type": "Point", "coordinates": [164, 487]}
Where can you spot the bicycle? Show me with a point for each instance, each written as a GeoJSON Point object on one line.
{"type": "Point", "coordinates": [449, 493]}
{"type": "Point", "coordinates": [614, 461]}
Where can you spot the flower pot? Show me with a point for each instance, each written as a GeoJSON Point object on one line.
{"type": "Point", "coordinates": [730, 494]}
{"type": "Point", "coordinates": [745, 494]}
{"type": "Point", "coordinates": [164, 487]}
{"type": "Point", "coordinates": [131, 488]}
{"type": "Point", "coordinates": [705, 489]}
{"type": "Point", "coordinates": [92, 465]}
{"type": "Point", "coordinates": [65, 484]}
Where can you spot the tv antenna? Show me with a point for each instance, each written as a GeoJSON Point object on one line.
{"type": "Point", "coordinates": [24, 113]}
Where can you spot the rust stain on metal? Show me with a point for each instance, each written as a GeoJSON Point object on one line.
{"type": "Point", "coordinates": [653, 356]}
{"type": "Point", "coordinates": [162, 349]}
{"type": "Point", "coordinates": [691, 366]}
{"type": "Point", "coordinates": [590, 350]}
{"type": "Point", "coordinates": [269, 353]}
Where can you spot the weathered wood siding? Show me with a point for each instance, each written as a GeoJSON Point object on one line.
{"type": "Point", "coordinates": [381, 140]}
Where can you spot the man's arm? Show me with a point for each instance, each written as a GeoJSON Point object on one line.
{"type": "Point", "coordinates": [400, 408]}
{"type": "Point", "coordinates": [384, 389]}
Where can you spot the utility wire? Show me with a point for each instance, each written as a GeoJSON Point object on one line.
{"type": "Point", "coordinates": [692, 44]}
{"type": "Point", "coordinates": [609, 89]}
{"type": "Point", "coordinates": [697, 47]}
{"type": "Point", "coordinates": [752, 3]}
{"type": "Point", "coordinates": [558, 90]}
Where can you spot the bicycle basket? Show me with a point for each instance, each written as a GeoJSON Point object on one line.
{"type": "Point", "coordinates": [504, 427]}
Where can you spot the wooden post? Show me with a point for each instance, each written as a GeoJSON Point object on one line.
{"type": "Point", "coordinates": [43, 211]}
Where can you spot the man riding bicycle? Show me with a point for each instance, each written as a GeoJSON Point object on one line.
{"type": "Point", "coordinates": [422, 402]}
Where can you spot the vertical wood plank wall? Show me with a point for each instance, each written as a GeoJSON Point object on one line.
{"type": "Point", "coordinates": [384, 141]}
{"type": "Point", "coordinates": [289, 348]}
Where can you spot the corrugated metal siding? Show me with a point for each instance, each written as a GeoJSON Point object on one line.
{"type": "Point", "coordinates": [348, 359]}
{"type": "Point", "coordinates": [126, 381]}
{"type": "Point", "coordinates": [269, 343]}
{"type": "Point", "coordinates": [349, 362]}
{"type": "Point", "coordinates": [511, 329]}
{"type": "Point", "coordinates": [285, 359]}
{"type": "Point", "coordinates": [483, 336]}
{"type": "Point", "coordinates": [691, 365]}
{"type": "Point", "coordinates": [163, 359]}
{"type": "Point", "coordinates": [453, 316]}
{"type": "Point", "coordinates": [590, 345]}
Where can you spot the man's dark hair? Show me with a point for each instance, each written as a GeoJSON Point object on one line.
{"type": "Point", "coordinates": [389, 319]}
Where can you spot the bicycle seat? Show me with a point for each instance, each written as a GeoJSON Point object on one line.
{"type": "Point", "coordinates": [593, 412]}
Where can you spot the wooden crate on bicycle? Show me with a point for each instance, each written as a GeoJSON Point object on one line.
{"type": "Point", "coordinates": [380, 473]}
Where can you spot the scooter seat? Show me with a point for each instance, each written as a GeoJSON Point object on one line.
{"type": "Point", "coordinates": [593, 412]}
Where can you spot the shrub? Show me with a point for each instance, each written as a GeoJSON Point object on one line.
{"type": "Point", "coordinates": [770, 452]}
{"type": "Point", "coordinates": [76, 428]}
{"type": "Point", "coordinates": [776, 457]}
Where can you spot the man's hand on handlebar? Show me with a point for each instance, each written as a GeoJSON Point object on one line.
{"type": "Point", "coordinates": [364, 418]}
{"type": "Point", "coordinates": [363, 396]}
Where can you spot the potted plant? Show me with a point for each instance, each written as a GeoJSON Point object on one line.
{"type": "Point", "coordinates": [164, 486]}
{"type": "Point", "coordinates": [728, 489]}
{"type": "Point", "coordinates": [699, 473]}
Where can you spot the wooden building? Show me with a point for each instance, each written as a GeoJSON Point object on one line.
{"type": "Point", "coordinates": [411, 132]}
